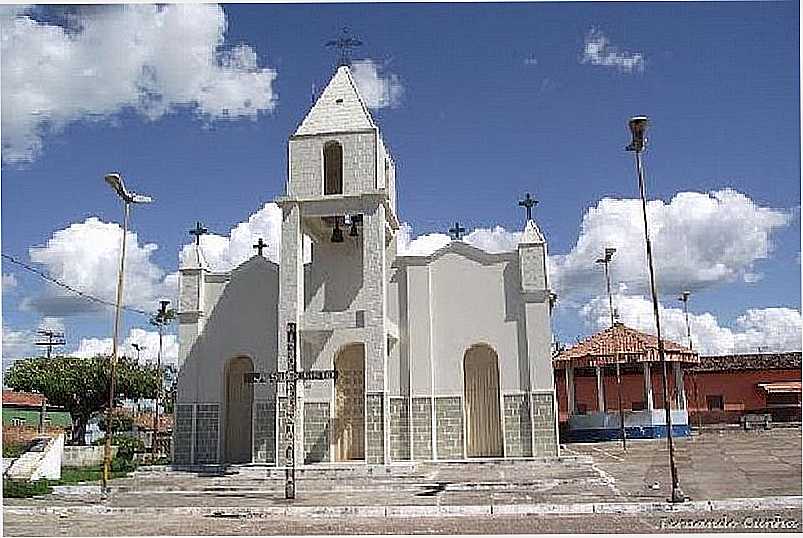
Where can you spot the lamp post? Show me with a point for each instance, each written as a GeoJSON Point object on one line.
{"type": "Point", "coordinates": [162, 318]}
{"type": "Point", "coordinates": [605, 261]}
{"type": "Point", "coordinates": [116, 182]}
{"type": "Point", "coordinates": [684, 298]}
{"type": "Point", "coordinates": [138, 348]}
{"type": "Point", "coordinates": [638, 129]}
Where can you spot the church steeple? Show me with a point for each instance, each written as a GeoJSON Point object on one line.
{"type": "Point", "coordinates": [340, 108]}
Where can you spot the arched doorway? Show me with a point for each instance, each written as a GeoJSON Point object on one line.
{"type": "Point", "coordinates": [349, 438]}
{"type": "Point", "coordinates": [483, 424]}
{"type": "Point", "coordinates": [239, 404]}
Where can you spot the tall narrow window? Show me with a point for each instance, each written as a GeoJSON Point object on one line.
{"type": "Point", "coordinates": [332, 168]}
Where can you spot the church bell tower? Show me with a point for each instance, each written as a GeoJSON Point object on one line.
{"type": "Point", "coordinates": [340, 199]}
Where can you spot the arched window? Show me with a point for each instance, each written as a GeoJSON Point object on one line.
{"type": "Point", "coordinates": [332, 168]}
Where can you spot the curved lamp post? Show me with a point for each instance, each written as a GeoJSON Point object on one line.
{"type": "Point", "coordinates": [116, 182]}
{"type": "Point", "coordinates": [638, 129]}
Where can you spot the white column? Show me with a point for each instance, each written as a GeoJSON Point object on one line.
{"type": "Point", "coordinates": [571, 402]}
{"type": "Point", "coordinates": [600, 391]}
{"type": "Point", "coordinates": [680, 386]}
{"type": "Point", "coordinates": [648, 386]}
{"type": "Point", "coordinates": [291, 305]}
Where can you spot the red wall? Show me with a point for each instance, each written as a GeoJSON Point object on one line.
{"type": "Point", "coordinates": [739, 390]}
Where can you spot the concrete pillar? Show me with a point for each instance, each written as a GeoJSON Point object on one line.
{"type": "Point", "coordinates": [571, 400]}
{"type": "Point", "coordinates": [377, 410]}
{"type": "Point", "coordinates": [648, 386]}
{"type": "Point", "coordinates": [291, 304]}
{"type": "Point", "coordinates": [600, 391]}
{"type": "Point", "coordinates": [680, 386]}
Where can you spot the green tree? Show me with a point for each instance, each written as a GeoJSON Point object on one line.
{"type": "Point", "coordinates": [81, 386]}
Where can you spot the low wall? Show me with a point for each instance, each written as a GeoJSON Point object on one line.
{"type": "Point", "coordinates": [84, 456]}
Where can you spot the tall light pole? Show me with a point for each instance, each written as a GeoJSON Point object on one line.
{"type": "Point", "coordinates": [162, 318]}
{"type": "Point", "coordinates": [605, 261]}
{"type": "Point", "coordinates": [116, 182]}
{"type": "Point", "coordinates": [638, 129]}
{"type": "Point", "coordinates": [138, 348]}
{"type": "Point", "coordinates": [684, 298]}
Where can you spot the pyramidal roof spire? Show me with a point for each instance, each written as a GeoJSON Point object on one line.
{"type": "Point", "coordinates": [339, 108]}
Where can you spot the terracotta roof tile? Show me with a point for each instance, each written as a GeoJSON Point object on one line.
{"type": "Point", "coordinates": [624, 343]}
{"type": "Point", "coordinates": [23, 399]}
{"type": "Point", "coordinates": [749, 361]}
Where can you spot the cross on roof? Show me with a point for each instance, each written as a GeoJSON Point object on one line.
{"type": "Point", "coordinates": [344, 44]}
{"type": "Point", "coordinates": [198, 231]}
{"type": "Point", "coordinates": [528, 203]}
{"type": "Point", "coordinates": [457, 231]}
{"type": "Point", "coordinates": [259, 246]}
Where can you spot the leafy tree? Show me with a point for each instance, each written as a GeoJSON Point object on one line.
{"type": "Point", "coordinates": [81, 386]}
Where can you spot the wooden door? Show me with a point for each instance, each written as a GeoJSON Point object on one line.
{"type": "Point", "coordinates": [483, 424]}
{"type": "Point", "coordinates": [349, 439]}
{"type": "Point", "coordinates": [239, 402]}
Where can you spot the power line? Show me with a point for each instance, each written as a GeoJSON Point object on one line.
{"type": "Point", "coordinates": [70, 288]}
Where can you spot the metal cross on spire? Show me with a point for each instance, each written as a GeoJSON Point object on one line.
{"type": "Point", "coordinates": [198, 231]}
{"type": "Point", "coordinates": [259, 246]}
{"type": "Point", "coordinates": [344, 44]}
{"type": "Point", "coordinates": [457, 231]}
{"type": "Point", "coordinates": [528, 203]}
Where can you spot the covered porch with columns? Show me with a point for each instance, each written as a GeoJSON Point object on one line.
{"type": "Point", "coordinates": [588, 392]}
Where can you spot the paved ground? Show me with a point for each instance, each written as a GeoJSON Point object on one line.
{"type": "Point", "coordinates": [119, 525]}
{"type": "Point", "coordinates": [712, 465]}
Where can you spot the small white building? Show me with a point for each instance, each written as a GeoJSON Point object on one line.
{"type": "Point", "coordinates": [439, 357]}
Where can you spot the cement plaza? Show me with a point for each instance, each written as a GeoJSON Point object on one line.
{"type": "Point", "coordinates": [593, 486]}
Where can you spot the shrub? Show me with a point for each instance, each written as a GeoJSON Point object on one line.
{"type": "Point", "coordinates": [14, 450]}
{"type": "Point", "coordinates": [126, 445]}
{"type": "Point", "coordinates": [19, 489]}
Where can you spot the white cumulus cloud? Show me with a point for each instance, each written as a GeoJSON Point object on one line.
{"type": "Point", "coordinates": [597, 50]}
{"type": "Point", "coordinates": [377, 88]}
{"type": "Point", "coordinates": [758, 329]}
{"type": "Point", "coordinates": [147, 340]}
{"type": "Point", "coordinates": [493, 240]}
{"type": "Point", "coordinates": [86, 256]}
{"type": "Point", "coordinates": [100, 60]}
{"type": "Point", "coordinates": [698, 239]}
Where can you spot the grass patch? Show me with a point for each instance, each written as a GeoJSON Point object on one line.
{"type": "Point", "coordinates": [74, 475]}
{"type": "Point", "coordinates": [14, 489]}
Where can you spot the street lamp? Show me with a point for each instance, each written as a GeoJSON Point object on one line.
{"type": "Point", "coordinates": [638, 129]}
{"type": "Point", "coordinates": [138, 348]}
{"type": "Point", "coordinates": [684, 298]}
{"type": "Point", "coordinates": [128, 198]}
{"type": "Point", "coordinates": [605, 260]}
{"type": "Point", "coordinates": [163, 317]}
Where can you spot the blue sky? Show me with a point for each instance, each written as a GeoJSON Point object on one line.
{"type": "Point", "coordinates": [493, 100]}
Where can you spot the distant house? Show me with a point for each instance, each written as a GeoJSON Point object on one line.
{"type": "Point", "coordinates": [720, 389]}
{"type": "Point", "coordinates": [22, 414]}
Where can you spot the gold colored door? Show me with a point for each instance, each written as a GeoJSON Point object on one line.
{"type": "Point", "coordinates": [483, 424]}
{"type": "Point", "coordinates": [349, 438]}
{"type": "Point", "coordinates": [239, 400]}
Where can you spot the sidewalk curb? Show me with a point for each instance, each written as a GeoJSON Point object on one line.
{"type": "Point", "coordinates": [413, 511]}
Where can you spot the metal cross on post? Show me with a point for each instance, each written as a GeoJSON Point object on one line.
{"type": "Point", "coordinates": [259, 246]}
{"type": "Point", "coordinates": [457, 231]}
{"type": "Point", "coordinates": [290, 378]}
{"type": "Point", "coordinates": [198, 231]}
{"type": "Point", "coordinates": [528, 203]}
{"type": "Point", "coordinates": [344, 44]}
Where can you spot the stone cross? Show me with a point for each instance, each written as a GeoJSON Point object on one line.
{"type": "Point", "coordinates": [528, 203]}
{"type": "Point", "coordinates": [457, 231]}
{"type": "Point", "coordinates": [290, 378]}
{"type": "Point", "coordinates": [198, 231]}
{"type": "Point", "coordinates": [344, 44]}
{"type": "Point", "coordinates": [259, 246]}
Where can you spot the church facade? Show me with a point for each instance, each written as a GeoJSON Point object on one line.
{"type": "Point", "coordinates": [438, 357]}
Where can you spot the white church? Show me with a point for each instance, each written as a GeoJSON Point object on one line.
{"type": "Point", "coordinates": [438, 357]}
